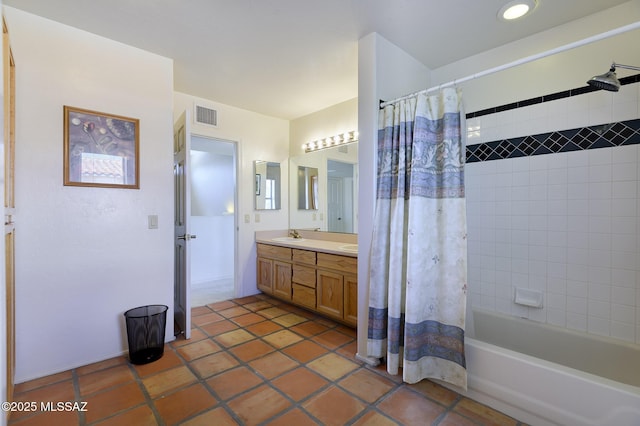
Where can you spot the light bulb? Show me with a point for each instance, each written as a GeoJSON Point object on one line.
{"type": "Point", "coordinates": [516, 9]}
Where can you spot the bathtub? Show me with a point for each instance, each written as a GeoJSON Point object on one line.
{"type": "Point", "coordinates": [546, 375]}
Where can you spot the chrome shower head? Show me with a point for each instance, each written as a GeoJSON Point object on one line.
{"type": "Point", "coordinates": [609, 80]}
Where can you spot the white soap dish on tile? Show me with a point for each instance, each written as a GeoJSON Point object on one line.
{"type": "Point", "coordinates": [528, 297]}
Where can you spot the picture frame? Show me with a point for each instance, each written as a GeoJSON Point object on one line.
{"type": "Point", "coordinates": [101, 149]}
{"type": "Point", "coordinates": [258, 179]}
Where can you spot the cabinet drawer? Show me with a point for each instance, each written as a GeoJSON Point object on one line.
{"type": "Point", "coordinates": [304, 295]}
{"type": "Point", "coordinates": [304, 256]}
{"type": "Point", "coordinates": [275, 252]}
{"type": "Point", "coordinates": [340, 263]}
{"type": "Point", "coordinates": [304, 275]}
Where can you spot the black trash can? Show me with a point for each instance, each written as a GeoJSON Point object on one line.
{"type": "Point", "coordinates": [145, 332]}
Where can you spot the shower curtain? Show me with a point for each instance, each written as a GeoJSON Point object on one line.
{"type": "Point", "coordinates": [418, 272]}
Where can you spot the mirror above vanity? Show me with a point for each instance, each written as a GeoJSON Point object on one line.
{"type": "Point", "coordinates": [268, 185]}
{"type": "Point", "coordinates": [323, 189]}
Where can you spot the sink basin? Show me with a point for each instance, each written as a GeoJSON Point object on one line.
{"type": "Point", "coordinates": [349, 247]}
{"type": "Point", "coordinates": [287, 239]}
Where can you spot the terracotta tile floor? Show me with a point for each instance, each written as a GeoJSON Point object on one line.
{"type": "Point", "coordinates": [250, 361]}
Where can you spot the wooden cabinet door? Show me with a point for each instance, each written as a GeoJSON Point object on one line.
{"type": "Point", "coordinates": [329, 293]}
{"type": "Point", "coordinates": [282, 280]}
{"type": "Point", "coordinates": [351, 299]}
{"type": "Point", "coordinates": [265, 275]}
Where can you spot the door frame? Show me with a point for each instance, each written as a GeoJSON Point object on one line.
{"type": "Point", "coordinates": [237, 182]}
{"type": "Point", "coordinates": [236, 224]}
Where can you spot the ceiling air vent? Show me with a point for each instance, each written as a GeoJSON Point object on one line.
{"type": "Point", "coordinates": [204, 115]}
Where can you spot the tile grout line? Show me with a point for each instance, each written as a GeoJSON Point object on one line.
{"type": "Point", "coordinates": [111, 388]}
{"type": "Point", "coordinates": [220, 402]}
{"type": "Point", "coordinates": [397, 385]}
{"type": "Point", "coordinates": [330, 383]}
{"type": "Point", "coordinates": [223, 349]}
{"type": "Point", "coordinates": [147, 397]}
{"type": "Point", "coordinates": [299, 404]}
{"type": "Point", "coordinates": [82, 420]}
{"type": "Point", "coordinates": [448, 409]}
{"type": "Point", "coordinates": [269, 382]}
{"type": "Point", "coordinates": [203, 380]}
{"type": "Point", "coordinates": [371, 406]}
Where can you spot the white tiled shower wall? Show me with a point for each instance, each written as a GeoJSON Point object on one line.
{"type": "Point", "coordinates": [565, 224]}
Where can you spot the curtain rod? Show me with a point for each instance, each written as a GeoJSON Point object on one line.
{"type": "Point", "coordinates": [521, 61]}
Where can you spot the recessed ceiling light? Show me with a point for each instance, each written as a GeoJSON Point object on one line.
{"type": "Point", "coordinates": [516, 9]}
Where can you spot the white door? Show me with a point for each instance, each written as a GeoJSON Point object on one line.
{"type": "Point", "coordinates": [182, 191]}
{"type": "Point", "coordinates": [335, 204]}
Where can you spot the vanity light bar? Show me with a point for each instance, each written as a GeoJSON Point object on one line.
{"type": "Point", "coordinates": [341, 139]}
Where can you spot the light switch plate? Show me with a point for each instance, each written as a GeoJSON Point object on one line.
{"type": "Point", "coordinates": [152, 220]}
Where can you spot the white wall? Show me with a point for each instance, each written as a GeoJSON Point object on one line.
{"type": "Point", "coordinates": [334, 120]}
{"type": "Point", "coordinates": [384, 72]}
{"type": "Point", "coordinates": [259, 137]}
{"type": "Point", "coordinates": [85, 255]}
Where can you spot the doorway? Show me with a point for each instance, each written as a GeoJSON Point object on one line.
{"type": "Point", "coordinates": [340, 196]}
{"type": "Point", "coordinates": [213, 220]}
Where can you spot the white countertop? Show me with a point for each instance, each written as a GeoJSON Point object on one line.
{"type": "Point", "coordinates": [348, 246]}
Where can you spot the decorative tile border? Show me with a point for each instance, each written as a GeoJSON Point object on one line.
{"type": "Point", "coordinates": [602, 136]}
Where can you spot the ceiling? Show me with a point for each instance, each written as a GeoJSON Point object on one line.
{"type": "Point", "coordinates": [289, 58]}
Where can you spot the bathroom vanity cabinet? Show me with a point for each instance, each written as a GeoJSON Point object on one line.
{"type": "Point", "coordinates": [274, 270]}
{"type": "Point", "coordinates": [322, 282]}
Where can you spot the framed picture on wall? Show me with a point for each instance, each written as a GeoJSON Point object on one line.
{"type": "Point", "coordinates": [100, 149]}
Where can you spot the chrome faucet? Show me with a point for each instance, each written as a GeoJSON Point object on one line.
{"type": "Point", "coordinates": [295, 234]}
